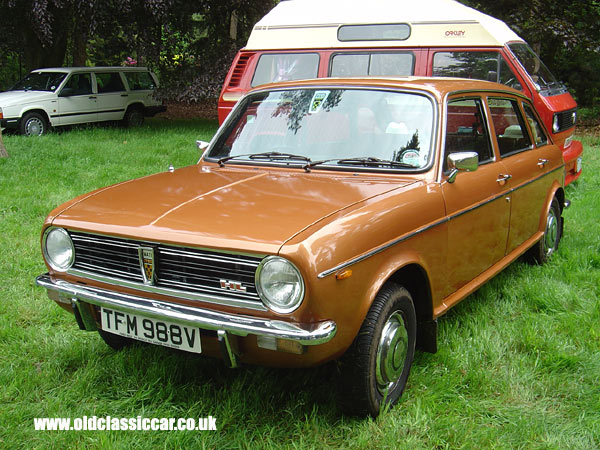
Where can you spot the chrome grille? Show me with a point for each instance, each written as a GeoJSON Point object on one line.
{"type": "Point", "coordinates": [195, 272]}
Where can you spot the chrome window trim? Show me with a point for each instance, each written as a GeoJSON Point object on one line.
{"type": "Point", "coordinates": [384, 247]}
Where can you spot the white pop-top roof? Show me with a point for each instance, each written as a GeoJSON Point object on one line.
{"type": "Point", "coordinates": [298, 24]}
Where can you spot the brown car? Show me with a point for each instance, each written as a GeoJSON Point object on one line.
{"type": "Point", "coordinates": [331, 218]}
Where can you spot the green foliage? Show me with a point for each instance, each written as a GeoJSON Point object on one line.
{"type": "Point", "coordinates": [518, 365]}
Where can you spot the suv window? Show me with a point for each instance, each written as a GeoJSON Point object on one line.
{"type": "Point", "coordinates": [466, 129]}
{"type": "Point", "coordinates": [109, 82]}
{"type": "Point", "coordinates": [80, 84]}
{"type": "Point", "coordinates": [489, 66]}
{"type": "Point", "coordinates": [539, 136]}
{"type": "Point", "coordinates": [273, 67]}
{"type": "Point", "coordinates": [139, 81]}
{"type": "Point", "coordinates": [509, 126]}
{"type": "Point", "coordinates": [374, 64]}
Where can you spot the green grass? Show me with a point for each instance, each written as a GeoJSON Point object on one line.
{"type": "Point", "coordinates": [518, 365]}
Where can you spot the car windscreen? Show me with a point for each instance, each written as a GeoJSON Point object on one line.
{"type": "Point", "coordinates": [40, 81]}
{"type": "Point", "coordinates": [541, 76]}
{"type": "Point", "coordinates": [352, 127]}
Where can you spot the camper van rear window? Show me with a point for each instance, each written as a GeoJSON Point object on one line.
{"type": "Point", "coordinates": [374, 32]}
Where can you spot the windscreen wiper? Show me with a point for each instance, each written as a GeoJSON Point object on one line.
{"type": "Point", "coordinates": [273, 156]}
{"type": "Point", "coordinates": [367, 161]}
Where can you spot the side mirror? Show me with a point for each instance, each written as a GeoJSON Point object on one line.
{"type": "Point", "coordinates": [461, 162]}
{"type": "Point", "coordinates": [67, 92]}
{"type": "Point", "coordinates": [202, 145]}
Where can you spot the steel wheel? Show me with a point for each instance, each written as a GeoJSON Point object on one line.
{"type": "Point", "coordinates": [541, 252]}
{"type": "Point", "coordinates": [551, 233]}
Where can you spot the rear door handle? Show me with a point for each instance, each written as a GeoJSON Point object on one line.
{"type": "Point", "coordinates": [503, 178]}
{"type": "Point", "coordinates": [124, 95]}
{"type": "Point", "coordinates": [542, 162]}
{"type": "Point", "coordinates": [93, 97]}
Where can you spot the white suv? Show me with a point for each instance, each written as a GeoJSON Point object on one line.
{"type": "Point", "coordinates": [71, 95]}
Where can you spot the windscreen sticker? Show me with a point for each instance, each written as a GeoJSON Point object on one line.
{"type": "Point", "coordinates": [317, 101]}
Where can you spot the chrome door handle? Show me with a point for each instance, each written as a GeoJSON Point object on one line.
{"type": "Point", "coordinates": [503, 178]}
{"type": "Point", "coordinates": [542, 162]}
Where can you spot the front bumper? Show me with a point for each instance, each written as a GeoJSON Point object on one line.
{"type": "Point", "coordinates": [237, 325]}
{"type": "Point", "coordinates": [9, 123]}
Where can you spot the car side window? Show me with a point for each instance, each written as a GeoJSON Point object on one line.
{"type": "Point", "coordinates": [372, 64]}
{"type": "Point", "coordinates": [139, 81]}
{"type": "Point", "coordinates": [109, 82]}
{"type": "Point", "coordinates": [467, 130]}
{"type": "Point", "coordinates": [509, 126]}
{"type": "Point", "coordinates": [539, 136]}
{"type": "Point", "coordinates": [80, 83]}
{"type": "Point", "coordinates": [489, 66]}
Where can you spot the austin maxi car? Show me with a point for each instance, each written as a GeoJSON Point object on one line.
{"type": "Point", "coordinates": [327, 219]}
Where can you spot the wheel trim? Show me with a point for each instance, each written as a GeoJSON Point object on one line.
{"type": "Point", "coordinates": [551, 233]}
{"type": "Point", "coordinates": [34, 127]}
{"type": "Point", "coordinates": [391, 353]}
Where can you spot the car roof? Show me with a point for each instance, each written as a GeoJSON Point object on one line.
{"type": "Point", "coordinates": [440, 87]}
{"type": "Point", "coordinates": [90, 69]}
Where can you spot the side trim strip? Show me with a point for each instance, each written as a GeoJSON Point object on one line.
{"type": "Point", "coordinates": [430, 226]}
{"type": "Point", "coordinates": [88, 113]}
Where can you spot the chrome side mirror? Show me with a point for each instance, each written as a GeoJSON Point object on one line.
{"type": "Point", "coordinates": [461, 162]}
{"type": "Point", "coordinates": [202, 145]}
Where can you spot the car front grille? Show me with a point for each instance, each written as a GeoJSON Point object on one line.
{"type": "Point", "coordinates": [566, 119]}
{"type": "Point", "coordinates": [194, 273]}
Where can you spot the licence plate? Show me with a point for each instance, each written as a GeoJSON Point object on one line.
{"type": "Point", "coordinates": [160, 332]}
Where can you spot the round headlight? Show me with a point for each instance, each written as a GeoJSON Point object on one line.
{"type": "Point", "coordinates": [279, 284]}
{"type": "Point", "coordinates": [58, 249]}
{"type": "Point", "coordinates": [555, 124]}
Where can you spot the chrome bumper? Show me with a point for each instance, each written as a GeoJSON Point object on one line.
{"type": "Point", "coordinates": [237, 325]}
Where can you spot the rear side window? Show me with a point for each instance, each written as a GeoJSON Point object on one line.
{"type": "Point", "coordinates": [489, 66]}
{"type": "Point", "coordinates": [109, 82]}
{"type": "Point", "coordinates": [139, 81]}
{"type": "Point", "coordinates": [466, 129]}
{"type": "Point", "coordinates": [372, 64]}
{"type": "Point", "coordinates": [374, 32]}
{"type": "Point", "coordinates": [509, 126]}
{"type": "Point", "coordinates": [274, 67]}
{"type": "Point", "coordinates": [539, 136]}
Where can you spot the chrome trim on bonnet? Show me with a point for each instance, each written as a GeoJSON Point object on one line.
{"type": "Point", "coordinates": [238, 325]}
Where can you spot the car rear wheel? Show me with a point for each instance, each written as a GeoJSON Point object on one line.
{"type": "Point", "coordinates": [115, 341]}
{"type": "Point", "coordinates": [33, 124]}
{"type": "Point", "coordinates": [134, 117]}
{"type": "Point", "coordinates": [376, 366]}
{"type": "Point", "coordinates": [543, 250]}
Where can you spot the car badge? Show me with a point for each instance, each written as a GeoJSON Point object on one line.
{"type": "Point", "coordinates": [147, 264]}
{"type": "Point", "coordinates": [235, 286]}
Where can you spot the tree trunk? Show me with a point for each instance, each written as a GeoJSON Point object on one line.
{"type": "Point", "coordinates": [3, 152]}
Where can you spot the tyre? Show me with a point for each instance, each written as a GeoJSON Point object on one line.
{"type": "Point", "coordinates": [376, 366]}
{"type": "Point", "coordinates": [134, 117]}
{"type": "Point", "coordinates": [543, 250]}
{"type": "Point", "coordinates": [33, 124]}
{"type": "Point", "coordinates": [115, 341]}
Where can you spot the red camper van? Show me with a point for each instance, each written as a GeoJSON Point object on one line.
{"type": "Point", "coordinates": [301, 39]}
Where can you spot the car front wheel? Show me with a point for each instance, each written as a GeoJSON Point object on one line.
{"type": "Point", "coordinates": [376, 366]}
{"type": "Point", "coordinates": [33, 124]}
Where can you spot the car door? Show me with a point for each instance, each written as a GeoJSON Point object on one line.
{"type": "Point", "coordinates": [478, 202]}
{"type": "Point", "coordinates": [112, 95]}
{"type": "Point", "coordinates": [77, 101]}
{"type": "Point", "coordinates": [529, 158]}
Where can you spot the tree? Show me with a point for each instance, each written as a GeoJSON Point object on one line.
{"type": "Point", "coordinates": [3, 152]}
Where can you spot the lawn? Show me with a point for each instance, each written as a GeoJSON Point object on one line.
{"type": "Point", "coordinates": [518, 365]}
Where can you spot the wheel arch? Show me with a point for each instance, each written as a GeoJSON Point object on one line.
{"type": "Point", "coordinates": [38, 110]}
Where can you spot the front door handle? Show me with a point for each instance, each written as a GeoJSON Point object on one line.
{"type": "Point", "coordinates": [542, 162]}
{"type": "Point", "coordinates": [92, 97]}
{"type": "Point", "coordinates": [503, 178]}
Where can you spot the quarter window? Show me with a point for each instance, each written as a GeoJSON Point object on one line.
{"type": "Point", "coordinates": [509, 126]}
{"type": "Point", "coordinates": [489, 66]}
{"type": "Point", "coordinates": [109, 82]}
{"type": "Point", "coordinates": [274, 67]}
{"type": "Point", "coordinates": [139, 81]}
{"type": "Point", "coordinates": [372, 64]}
{"type": "Point", "coordinates": [466, 130]}
{"type": "Point", "coordinates": [539, 136]}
